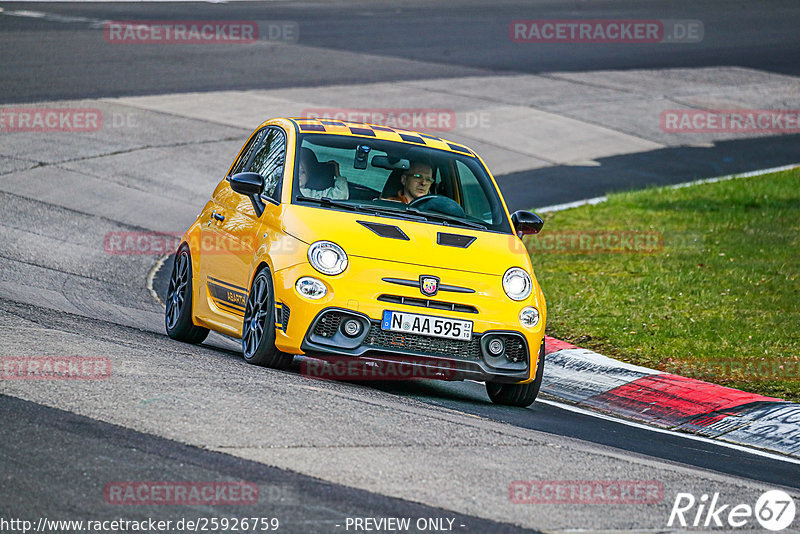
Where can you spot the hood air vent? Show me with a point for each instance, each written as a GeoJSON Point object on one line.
{"type": "Point", "coordinates": [385, 230]}
{"type": "Point", "coordinates": [454, 240]}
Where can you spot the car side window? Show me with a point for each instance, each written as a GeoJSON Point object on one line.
{"type": "Point", "coordinates": [247, 153]}
{"type": "Point", "coordinates": [268, 162]}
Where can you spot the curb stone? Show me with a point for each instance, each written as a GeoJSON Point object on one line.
{"type": "Point", "coordinates": [591, 380]}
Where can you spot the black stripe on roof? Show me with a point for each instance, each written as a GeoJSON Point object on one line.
{"type": "Point", "coordinates": [459, 148]}
{"type": "Point", "coordinates": [382, 128]}
{"type": "Point", "coordinates": [312, 127]}
{"type": "Point", "coordinates": [333, 123]}
{"type": "Point", "coordinates": [412, 139]}
{"type": "Point", "coordinates": [362, 131]}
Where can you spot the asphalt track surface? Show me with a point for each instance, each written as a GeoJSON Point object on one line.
{"type": "Point", "coordinates": [408, 40]}
{"type": "Point", "coordinates": [180, 412]}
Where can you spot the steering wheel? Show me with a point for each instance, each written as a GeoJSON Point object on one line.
{"type": "Point", "coordinates": [438, 204]}
{"type": "Point", "coordinates": [421, 201]}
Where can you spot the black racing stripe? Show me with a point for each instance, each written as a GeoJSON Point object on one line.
{"type": "Point", "coordinates": [412, 139]}
{"type": "Point", "coordinates": [430, 137]}
{"type": "Point", "coordinates": [229, 307]}
{"type": "Point", "coordinates": [382, 128]}
{"type": "Point", "coordinates": [223, 283]}
{"type": "Point", "coordinates": [332, 123]}
{"type": "Point", "coordinates": [362, 131]}
{"type": "Point", "coordinates": [459, 148]}
{"type": "Point", "coordinates": [312, 127]}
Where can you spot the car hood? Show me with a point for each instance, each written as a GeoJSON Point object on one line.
{"type": "Point", "coordinates": [427, 244]}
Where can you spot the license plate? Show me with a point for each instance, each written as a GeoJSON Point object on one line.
{"type": "Point", "coordinates": [426, 325]}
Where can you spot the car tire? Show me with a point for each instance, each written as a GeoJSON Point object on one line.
{"type": "Point", "coordinates": [521, 395]}
{"type": "Point", "coordinates": [178, 312]}
{"type": "Point", "coordinates": [258, 326]}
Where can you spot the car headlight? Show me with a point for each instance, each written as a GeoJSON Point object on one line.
{"type": "Point", "coordinates": [517, 284]}
{"type": "Point", "coordinates": [529, 317]}
{"type": "Point", "coordinates": [327, 257]}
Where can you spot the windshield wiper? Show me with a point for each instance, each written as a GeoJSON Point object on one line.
{"type": "Point", "coordinates": [325, 201]}
{"type": "Point", "coordinates": [372, 210]}
{"type": "Point", "coordinates": [428, 215]}
{"type": "Point", "coordinates": [448, 219]}
{"type": "Point", "coordinates": [411, 215]}
{"type": "Point", "coordinates": [405, 213]}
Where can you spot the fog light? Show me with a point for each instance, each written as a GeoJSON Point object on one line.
{"type": "Point", "coordinates": [311, 288]}
{"type": "Point", "coordinates": [351, 327]}
{"type": "Point", "coordinates": [495, 347]}
{"type": "Point", "coordinates": [529, 317]}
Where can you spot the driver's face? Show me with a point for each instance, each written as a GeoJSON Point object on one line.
{"type": "Point", "coordinates": [417, 181]}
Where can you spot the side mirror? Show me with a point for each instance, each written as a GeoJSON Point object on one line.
{"type": "Point", "coordinates": [247, 183]}
{"type": "Point", "coordinates": [526, 222]}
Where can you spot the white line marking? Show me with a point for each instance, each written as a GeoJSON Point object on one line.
{"type": "Point", "coordinates": [642, 426]}
{"type": "Point", "coordinates": [590, 413]}
{"type": "Point", "coordinates": [576, 204]}
{"type": "Point", "coordinates": [151, 276]}
{"type": "Point", "coordinates": [732, 176]}
{"type": "Point", "coordinates": [53, 17]}
{"type": "Point", "coordinates": [599, 200]}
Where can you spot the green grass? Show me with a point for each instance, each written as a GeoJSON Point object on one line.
{"type": "Point", "coordinates": [725, 286]}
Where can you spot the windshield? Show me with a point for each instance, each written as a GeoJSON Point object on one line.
{"type": "Point", "coordinates": [394, 179]}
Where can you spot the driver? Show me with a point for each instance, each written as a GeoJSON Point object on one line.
{"type": "Point", "coordinates": [416, 181]}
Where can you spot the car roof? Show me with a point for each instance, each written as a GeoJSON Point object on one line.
{"type": "Point", "coordinates": [376, 131]}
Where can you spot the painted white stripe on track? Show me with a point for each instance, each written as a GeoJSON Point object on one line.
{"type": "Point", "coordinates": [598, 415]}
{"type": "Point", "coordinates": [151, 276]}
{"type": "Point", "coordinates": [692, 437]}
{"type": "Point", "coordinates": [599, 200]}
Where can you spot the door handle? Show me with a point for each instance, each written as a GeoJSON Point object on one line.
{"type": "Point", "coordinates": [218, 216]}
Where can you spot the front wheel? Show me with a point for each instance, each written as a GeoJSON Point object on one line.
{"type": "Point", "coordinates": [258, 328]}
{"type": "Point", "coordinates": [178, 313]}
{"type": "Point", "coordinates": [521, 395]}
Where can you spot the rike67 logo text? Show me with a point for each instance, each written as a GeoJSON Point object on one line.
{"type": "Point", "coordinates": [774, 510]}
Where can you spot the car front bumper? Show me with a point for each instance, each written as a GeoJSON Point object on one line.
{"type": "Point", "coordinates": [314, 327]}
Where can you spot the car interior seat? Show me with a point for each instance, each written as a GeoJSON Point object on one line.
{"type": "Point", "coordinates": [320, 175]}
{"type": "Point", "coordinates": [393, 184]}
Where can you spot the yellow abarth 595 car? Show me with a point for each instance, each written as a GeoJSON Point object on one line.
{"type": "Point", "coordinates": [366, 243]}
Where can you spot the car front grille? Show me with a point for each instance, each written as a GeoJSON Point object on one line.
{"type": "Point", "coordinates": [328, 324]}
{"type": "Point", "coordinates": [385, 340]}
{"type": "Point", "coordinates": [286, 313]}
{"type": "Point", "coordinates": [426, 303]}
{"type": "Point", "coordinates": [515, 348]}
{"type": "Point", "coordinates": [453, 348]}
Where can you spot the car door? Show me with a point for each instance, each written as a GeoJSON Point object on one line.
{"type": "Point", "coordinates": [234, 229]}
